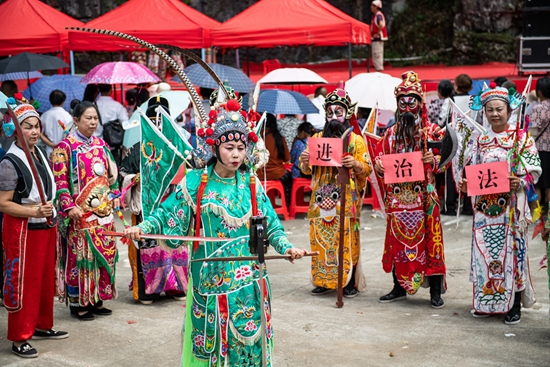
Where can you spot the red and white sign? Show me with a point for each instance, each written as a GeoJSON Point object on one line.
{"type": "Point", "coordinates": [403, 167]}
{"type": "Point", "coordinates": [488, 178]}
{"type": "Point", "coordinates": [325, 152]}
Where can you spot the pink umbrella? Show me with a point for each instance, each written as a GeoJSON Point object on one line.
{"type": "Point", "coordinates": [120, 72]}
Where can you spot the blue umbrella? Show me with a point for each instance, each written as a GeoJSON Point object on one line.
{"type": "Point", "coordinates": [234, 77]}
{"type": "Point", "coordinates": [42, 88]}
{"type": "Point", "coordinates": [21, 75]}
{"type": "Point", "coordinates": [277, 101]}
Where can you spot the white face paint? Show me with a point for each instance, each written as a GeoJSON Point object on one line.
{"type": "Point", "coordinates": [336, 112]}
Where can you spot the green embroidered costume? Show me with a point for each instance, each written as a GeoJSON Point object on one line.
{"type": "Point", "coordinates": [223, 307]}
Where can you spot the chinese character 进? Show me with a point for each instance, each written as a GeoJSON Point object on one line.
{"type": "Point", "coordinates": [324, 152]}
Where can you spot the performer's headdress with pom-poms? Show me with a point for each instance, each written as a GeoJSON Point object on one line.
{"type": "Point", "coordinates": [22, 109]}
{"type": "Point", "coordinates": [226, 122]}
{"type": "Point", "coordinates": [510, 96]}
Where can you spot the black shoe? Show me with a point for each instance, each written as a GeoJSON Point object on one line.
{"type": "Point", "coordinates": [25, 350]}
{"type": "Point", "coordinates": [512, 317]}
{"type": "Point", "coordinates": [84, 317]}
{"type": "Point", "coordinates": [317, 291]}
{"type": "Point", "coordinates": [99, 311]}
{"type": "Point", "coordinates": [50, 334]}
{"type": "Point", "coordinates": [437, 302]}
{"type": "Point", "coordinates": [393, 296]}
{"type": "Point", "coordinates": [350, 293]}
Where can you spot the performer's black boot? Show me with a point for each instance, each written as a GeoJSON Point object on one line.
{"type": "Point", "coordinates": [397, 293]}
{"type": "Point", "coordinates": [436, 282]}
{"type": "Point", "coordinates": [514, 315]}
{"type": "Point", "coordinates": [349, 290]}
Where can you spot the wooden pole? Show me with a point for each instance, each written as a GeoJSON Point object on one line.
{"type": "Point", "coordinates": [343, 180]}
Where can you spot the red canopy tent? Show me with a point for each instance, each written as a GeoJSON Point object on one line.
{"type": "Point", "coordinates": [271, 23]}
{"type": "Point", "coordinates": [32, 26]}
{"type": "Point", "coordinates": [160, 21]}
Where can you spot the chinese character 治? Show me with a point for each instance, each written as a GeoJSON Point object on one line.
{"type": "Point", "coordinates": [403, 168]}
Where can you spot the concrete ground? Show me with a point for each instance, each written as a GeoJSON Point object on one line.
{"type": "Point", "coordinates": [311, 331]}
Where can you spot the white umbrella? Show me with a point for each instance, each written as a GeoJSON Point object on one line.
{"type": "Point", "coordinates": [367, 89]}
{"type": "Point", "coordinates": [292, 76]}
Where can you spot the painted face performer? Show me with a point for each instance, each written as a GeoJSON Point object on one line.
{"type": "Point", "coordinates": [29, 241]}
{"type": "Point", "coordinates": [324, 209]}
{"type": "Point", "coordinates": [413, 249]}
{"type": "Point", "coordinates": [86, 177]}
{"type": "Point", "coordinates": [223, 308]}
{"type": "Point", "coordinates": [500, 263]}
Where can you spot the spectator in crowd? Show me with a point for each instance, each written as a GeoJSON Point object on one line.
{"type": "Point", "coordinates": [438, 109]}
{"type": "Point", "coordinates": [288, 126]}
{"type": "Point", "coordinates": [305, 130]}
{"type": "Point", "coordinates": [90, 93]}
{"type": "Point", "coordinates": [318, 119]}
{"type": "Point", "coordinates": [463, 85]}
{"type": "Point", "coordinates": [109, 109]}
{"type": "Point", "coordinates": [500, 80]}
{"type": "Point", "coordinates": [540, 119]}
{"type": "Point", "coordinates": [532, 101]}
{"type": "Point", "coordinates": [379, 34]}
{"type": "Point", "coordinates": [278, 156]}
{"type": "Point", "coordinates": [56, 122]}
{"type": "Point", "coordinates": [9, 88]}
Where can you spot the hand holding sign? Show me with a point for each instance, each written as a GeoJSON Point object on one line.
{"type": "Point", "coordinates": [325, 152]}
{"type": "Point", "coordinates": [403, 167]}
{"type": "Point", "coordinates": [488, 178]}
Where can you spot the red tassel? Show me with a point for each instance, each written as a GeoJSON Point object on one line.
{"type": "Point", "coordinates": [253, 195]}
{"type": "Point", "coordinates": [204, 180]}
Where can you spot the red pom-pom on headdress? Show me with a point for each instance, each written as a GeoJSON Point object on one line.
{"type": "Point", "coordinates": [233, 105]}
{"type": "Point", "coordinates": [243, 112]}
{"type": "Point", "coordinates": [252, 137]}
{"type": "Point", "coordinates": [492, 85]}
{"type": "Point", "coordinates": [18, 96]}
{"type": "Point", "coordinates": [209, 131]}
{"type": "Point", "coordinates": [210, 141]}
{"type": "Point", "coordinates": [200, 132]}
{"type": "Point", "coordinates": [212, 114]}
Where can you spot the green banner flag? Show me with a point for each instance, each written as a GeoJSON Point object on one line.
{"type": "Point", "coordinates": [159, 164]}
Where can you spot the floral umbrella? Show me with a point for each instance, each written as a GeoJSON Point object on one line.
{"type": "Point", "coordinates": [120, 72]}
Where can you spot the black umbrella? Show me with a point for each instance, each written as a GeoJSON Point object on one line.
{"type": "Point", "coordinates": [27, 61]}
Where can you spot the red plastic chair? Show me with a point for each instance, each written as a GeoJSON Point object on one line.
{"type": "Point", "coordinates": [297, 204]}
{"type": "Point", "coordinates": [370, 196]}
{"type": "Point", "coordinates": [274, 189]}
